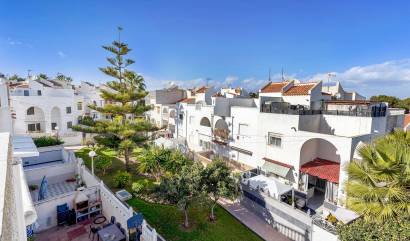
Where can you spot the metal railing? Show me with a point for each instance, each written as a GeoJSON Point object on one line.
{"type": "Point", "coordinates": [319, 221]}
{"type": "Point", "coordinates": [374, 112]}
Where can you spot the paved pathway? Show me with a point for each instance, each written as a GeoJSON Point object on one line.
{"type": "Point", "coordinates": [252, 221]}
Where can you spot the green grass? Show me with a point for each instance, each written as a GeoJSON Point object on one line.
{"type": "Point", "coordinates": [168, 219]}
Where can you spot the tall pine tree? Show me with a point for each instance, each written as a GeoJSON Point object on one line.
{"type": "Point", "coordinates": [124, 104]}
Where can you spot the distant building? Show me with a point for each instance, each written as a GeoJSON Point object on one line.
{"type": "Point", "coordinates": [162, 102]}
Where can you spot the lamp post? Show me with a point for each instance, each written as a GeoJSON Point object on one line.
{"type": "Point", "coordinates": [92, 154]}
{"type": "Point", "coordinates": [56, 129]}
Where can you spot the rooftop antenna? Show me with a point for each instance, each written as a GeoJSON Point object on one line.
{"type": "Point", "coordinates": [29, 73]}
{"type": "Point", "coordinates": [119, 33]}
{"type": "Point", "coordinates": [283, 76]}
{"type": "Point", "coordinates": [207, 81]}
{"type": "Point", "coordinates": [270, 80]}
{"type": "Point", "coordinates": [329, 76]}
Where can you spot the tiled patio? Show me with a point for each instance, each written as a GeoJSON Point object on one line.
{"type": "Point", "coordinates": [78, 232]}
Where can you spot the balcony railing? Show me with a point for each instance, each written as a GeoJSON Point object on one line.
{"type": "Point", "coordinates": [374, 112]}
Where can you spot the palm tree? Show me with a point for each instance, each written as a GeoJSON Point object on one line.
{"type": "Point", "coordinates": [379, 184]}
{"type": "Point", "coordinates": [152, 161]}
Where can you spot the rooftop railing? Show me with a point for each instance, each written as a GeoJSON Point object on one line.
{"type": "Point", "coordinates": [373, 112]}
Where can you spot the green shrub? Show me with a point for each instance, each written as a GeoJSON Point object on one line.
{"type": "Point", "coordinates": [389, 230]}
{"type": "Point", "coordinates": [137, 187]}
{"type": "Point", "coordinates": [122, 179]}
{"type": "Point", "coordinates": [103, 163]}
{"type": "Point", "coordinates": [47, 141]}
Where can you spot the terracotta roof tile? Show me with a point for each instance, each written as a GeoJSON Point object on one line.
{"type": "Point", "coordinates": [274, 87]}
{"type": "Point", "coordinates": [203, 89]}
{"type": "Point", "coordinates": [300, 89]}
{"type": "Point", "coordinates": [188, 100]}
{"type": "Point", "coordinates": [406, 120]}
{"type": "Point", "coordinates": [323, 169]}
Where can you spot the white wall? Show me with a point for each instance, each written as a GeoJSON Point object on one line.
{"type": "Point", "coordinates": [319, 234]}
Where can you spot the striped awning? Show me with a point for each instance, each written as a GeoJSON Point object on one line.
{"type": "Point", "coordinates": [276, 168]}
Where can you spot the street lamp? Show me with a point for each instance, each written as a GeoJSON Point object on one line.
{"type": "Point", "coordinates": [56, 129]}
{"type": "Point", "coordinates": [92, 154]}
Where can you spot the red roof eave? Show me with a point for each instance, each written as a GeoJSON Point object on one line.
{"type": "Point", "coordinates": [323, 169]}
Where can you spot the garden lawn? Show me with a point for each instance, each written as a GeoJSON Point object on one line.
{"type": "Point", "coordinates": [168, 219]}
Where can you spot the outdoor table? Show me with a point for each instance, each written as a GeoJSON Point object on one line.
{"type": "Point", "coordinates": [111, 233]}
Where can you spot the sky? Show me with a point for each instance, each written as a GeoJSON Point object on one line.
{"type": "Point", "coordinates": [364, 44]}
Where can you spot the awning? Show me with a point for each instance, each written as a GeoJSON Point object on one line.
{"type": "Point", "coordinates": [270, 185]}
{"type": "Point", "coordinates": [241, 150]}
{"type": "Point", "coordinates": [323, 169]}
{"type": "Point", "coordinates": [276, 167]}
{"type": "Point", "coordinates": [135, 221]}
{"type": "Point", "coordinates": [344, 215]}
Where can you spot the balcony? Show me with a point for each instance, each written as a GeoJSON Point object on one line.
{"type": "Point", "coordinates": [285, 108]}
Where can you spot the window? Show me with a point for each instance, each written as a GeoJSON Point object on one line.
{"type": "Point", "coordinates": [181, 116]}
{"type": "Point", "coordinates": [68, 109]}
{"type": "Point", "coordinates": [274, 139]}
{"type": "Point", "coordinates": [30, 111]}
{"type": "Point", "coordinates": [53, 126]}
{"type": "Point", "coordinates": [26, 93]}
{"type": "Point", "coordinates": [69, 124]}
{"type": "Point", "coordinates": [79, 105]}
{"type": "Point", "coordinates": [34, 127]}
{"type": "Point", "coordinates": [39, 92]}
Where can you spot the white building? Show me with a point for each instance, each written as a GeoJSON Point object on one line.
{"type": "Point", "coordinates": [294, 133]}
{"type": "Point", "coordinates": [51, 107]}
{"type": "Point", "coordinates": [162, 102]}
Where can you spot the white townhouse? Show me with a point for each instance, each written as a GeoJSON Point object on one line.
{"type": "Point", "coordinates": [162, 102]}
{"type": "Point", "coordinates": [294, 135]}
{"type": "Point", "coordinates": [50, 107]}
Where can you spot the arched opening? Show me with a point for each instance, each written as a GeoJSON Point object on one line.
{"type": "Point", "coordinates": [172, 114]}
{"type": "Point", "coordinates": [205, 122]}
{"type": "Point", "coordinates": [319, 172]}
{"type": "Point", "coordinates": [221, 130]}
{"type": "Point", "coordinates": [55, 118]}
{"type": "Point", "coordinates": [35, 119]}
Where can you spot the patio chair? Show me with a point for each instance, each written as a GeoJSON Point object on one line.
{"type": "Point", "coordinates": [112, 220]}
{"type": "Point", "coordinates": [118, 225]}
{"type": "Point", "coordinates": [122, 230]}
{"type": "Point", "coordinates": [94, 230]}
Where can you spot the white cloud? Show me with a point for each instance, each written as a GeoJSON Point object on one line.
{"type": "Point", "coordinates": [396, 71]}
{"type": "Point", "coordinates": [390, 77]}
{"type": "Point", "coordinates": [61, 54]}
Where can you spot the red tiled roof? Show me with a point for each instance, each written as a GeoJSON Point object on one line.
{"type": "Point", "coordinates": [217, 94]}
{"type": "Point", "coordinates": [300, 89]}
{"type": "Point", "coordinates": [274, 87]}
{"type": "Point", "coordinates": [323, 169]}
{"type": "Point", "coordinates": [277, 162]}
{"type": "Point", "coordinates": [188, 100]}
{"type": "Point", "coordinates": [406, 120]}
{"type": "Point", "coordinates": [203, 89]}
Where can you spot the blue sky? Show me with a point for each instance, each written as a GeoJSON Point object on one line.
{"type": "Point", "coordinates": [365, 43]}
